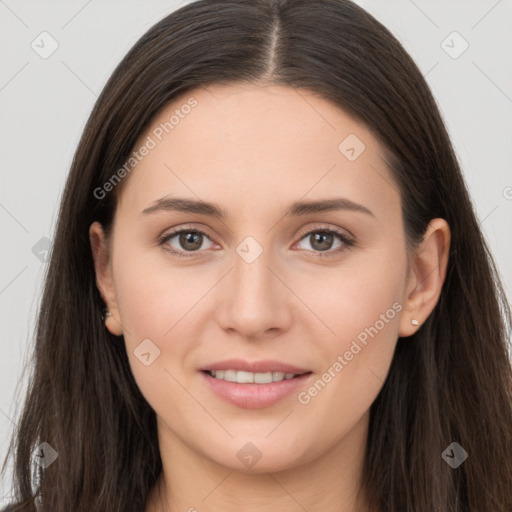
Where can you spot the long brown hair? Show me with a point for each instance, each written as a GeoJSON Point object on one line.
{"type": "Point", "coordinates": [450, 382]}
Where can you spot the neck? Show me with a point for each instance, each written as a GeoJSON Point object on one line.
{"type": "Point", "coordinates": [192, 483]}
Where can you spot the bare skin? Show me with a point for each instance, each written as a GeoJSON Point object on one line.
{"type": "Point", "coordinates": [253, 150]}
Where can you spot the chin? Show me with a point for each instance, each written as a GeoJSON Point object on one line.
{"type": "Point", "coordinates": [259, 455]}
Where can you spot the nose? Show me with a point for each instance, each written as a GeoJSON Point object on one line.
{"type": "Point", "coordinates": [256, 302]}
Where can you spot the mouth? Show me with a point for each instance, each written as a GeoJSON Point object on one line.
{"type": "Point", "coordinates": [254, 385]}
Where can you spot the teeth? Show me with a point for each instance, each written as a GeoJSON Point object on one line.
{"type": "Point", "coordinates": [242, 377]}
{"type": "Point", "coordinates": [264, 378]}
{"type": "Point", "coordinates": [245, 377]}
{"type": "Point", "coordinates": [277, 376]}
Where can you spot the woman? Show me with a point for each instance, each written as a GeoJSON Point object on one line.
{"type": "Point", "coordinates": [268, 288]}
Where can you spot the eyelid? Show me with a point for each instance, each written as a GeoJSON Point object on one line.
{"type": "Point", "coordinates": [324, 226]}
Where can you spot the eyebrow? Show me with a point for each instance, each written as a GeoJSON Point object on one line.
{"type": "Point", "coordinates": [295, 209]}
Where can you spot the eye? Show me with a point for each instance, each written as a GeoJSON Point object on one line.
{"type": "Point", "coordinates": [188, 240]}
{"type": "Point", "coordinates": [322, 239]}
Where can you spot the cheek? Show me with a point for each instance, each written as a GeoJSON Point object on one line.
{"type": "Point", "coordinates": [153, 300]}
{"type": "Point", "coordinates": [361, 307]}
{"type": "Point", "coordinates": [152, 295]}
{"type": "Point", "coordinates": [364, 292]}
{"type": "Point", "coordinates": [161, 302]}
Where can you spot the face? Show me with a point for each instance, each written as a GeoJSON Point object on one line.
{"type": "Point", "coordinates": [270, 287]}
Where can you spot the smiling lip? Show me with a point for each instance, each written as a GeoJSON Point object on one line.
{"type": "Point", "coordinates": [254, 396]}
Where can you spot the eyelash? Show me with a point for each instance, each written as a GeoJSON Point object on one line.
{"type": "Point", "coordinates": [347, 241]}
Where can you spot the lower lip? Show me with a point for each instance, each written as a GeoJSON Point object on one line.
{"type": "Point", "coordinates": [255, 396]}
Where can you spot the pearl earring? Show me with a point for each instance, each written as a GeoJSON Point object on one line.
{"type": "Point", "coordinates": [414, 321]}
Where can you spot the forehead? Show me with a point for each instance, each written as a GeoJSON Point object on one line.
{"type": "Point", "coordinates": [246, 143]}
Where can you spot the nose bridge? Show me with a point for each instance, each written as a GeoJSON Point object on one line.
{"type": "Point", "coordinates": [256, 300]}
{"type": "Point", "coordinates": [252, 279]}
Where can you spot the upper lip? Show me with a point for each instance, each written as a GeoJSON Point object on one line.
{"type": "Point", "coordinates": [263, 366]}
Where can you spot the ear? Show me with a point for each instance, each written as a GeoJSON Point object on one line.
{"type": "Point", "coordinates": [426, 276]}
{"type": "Point", "coordinates": [104, 280]}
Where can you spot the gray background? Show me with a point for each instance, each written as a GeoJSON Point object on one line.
{"type": "Point", "coordinates": [45, 103]}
